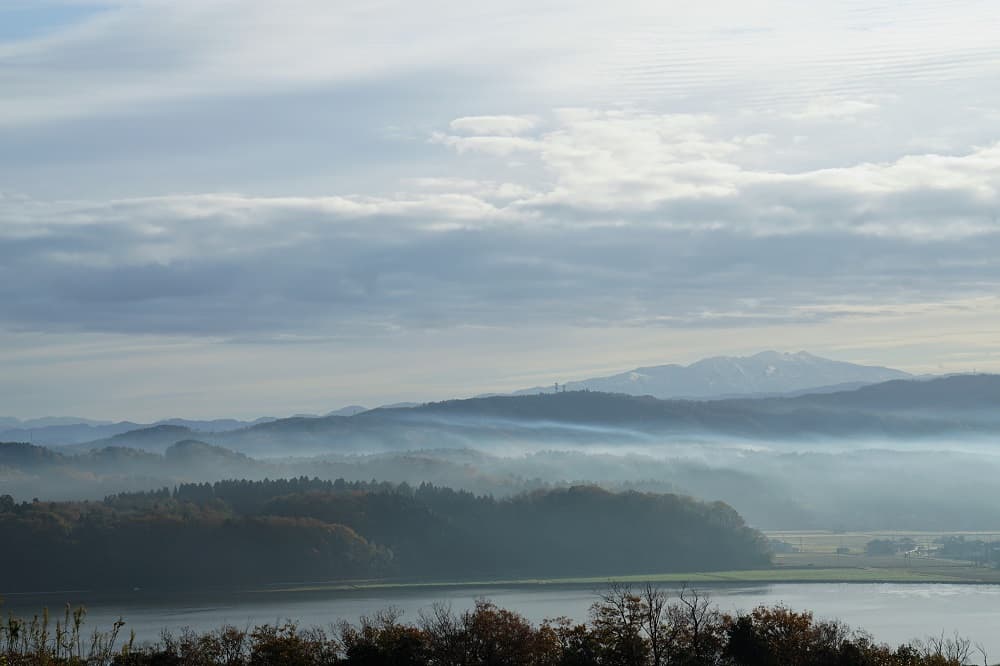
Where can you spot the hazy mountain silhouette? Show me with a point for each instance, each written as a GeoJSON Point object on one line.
{"type": "Point", "coordinates": [48, 421]}
{"type": "Point", "coordinates": [63, 431]}
{"type": "Point", "coordinates": [349, 410]}
{"type": "Point", "coordinates": [955, 405]}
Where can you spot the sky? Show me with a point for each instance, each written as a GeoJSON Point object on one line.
{"type": "Point", "coordinates": [246, 208]}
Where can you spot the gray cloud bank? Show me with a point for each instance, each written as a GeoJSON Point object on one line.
{"type": "Point", "coordinates": [633, 219]}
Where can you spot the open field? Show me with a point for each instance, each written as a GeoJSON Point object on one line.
{"type": "Point", "coordinates": [828, 542]}
{"type": "Point", "coordinates": [784, 572]}
{"type": "Point", "coordinates": [819, 551]}
{"type": "Point", "coordinates": [779, 574]}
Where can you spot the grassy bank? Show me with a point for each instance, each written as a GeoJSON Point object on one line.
{"type": "Point", "coordinates": [779, 574]}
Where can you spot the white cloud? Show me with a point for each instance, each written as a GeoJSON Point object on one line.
{"type": "Point", "coordinates": [487, 190]}
{"type": "Point", "coordinates": [501, 145]}
{"type": "Point", "coordinates": [833, 108]}
{"type": "Point", "coordinates": [621, 163]}
{"type": "Point", "coordinates": [493, 125]}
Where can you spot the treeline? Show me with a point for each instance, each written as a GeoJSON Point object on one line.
{"type": "Point", "coordinates": [237, 532]}
{"type": "Point", "coordinates": [28, 471]}
{"type": "Point", "coordinates": [625, 628]}
{"type": "Point", "coordinates": [976, 551]}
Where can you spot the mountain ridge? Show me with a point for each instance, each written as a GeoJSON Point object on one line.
{"type": "Point", "coordinates": [898, 409]}
{"type": "Point", "coordinates": [764, 374]}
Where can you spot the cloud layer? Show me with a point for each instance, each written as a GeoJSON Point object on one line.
{"type": "Point", "coordinates": [635, 219]}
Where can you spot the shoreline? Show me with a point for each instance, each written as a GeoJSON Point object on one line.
{"type": "Point", "coordinates": [777, 576]}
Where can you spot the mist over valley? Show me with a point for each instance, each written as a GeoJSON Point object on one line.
{"type": "Point", "coordinates": [784, 462]}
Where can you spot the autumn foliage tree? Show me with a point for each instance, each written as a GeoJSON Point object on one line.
{"type": "Point", "coordinates": [626, 627]}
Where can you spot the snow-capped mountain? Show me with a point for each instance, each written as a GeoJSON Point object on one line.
{"type": "Point", "coordinates": [766, 373]}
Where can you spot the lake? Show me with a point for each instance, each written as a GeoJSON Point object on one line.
{"type": "Point", "coordinates": [892, 612]}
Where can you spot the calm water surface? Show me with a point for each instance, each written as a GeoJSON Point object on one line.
{"type": "Point", "coordinates": [893, 613]}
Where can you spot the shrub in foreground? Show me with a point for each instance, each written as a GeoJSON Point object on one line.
{"type": "Point", "coordinates": [626, 628]}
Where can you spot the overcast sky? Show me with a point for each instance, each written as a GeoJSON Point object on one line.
{"type": "Point", "coordinates": [240, 208]}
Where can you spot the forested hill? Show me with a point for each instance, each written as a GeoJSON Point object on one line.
{"type": "Point", "coordinates": [242, 532]}
{"type": "Point", "coordinates": [958, 393]}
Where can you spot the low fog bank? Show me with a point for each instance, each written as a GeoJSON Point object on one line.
{"type": "Point", "coordinates": [851, 485]}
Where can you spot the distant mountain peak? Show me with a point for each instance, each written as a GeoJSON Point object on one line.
{"type": "Point", "coordinates": [768, 372]}
{"type": "Point", "coordinates": [349, 410]}
{"type": "Point", "coordinates": [772, 355]}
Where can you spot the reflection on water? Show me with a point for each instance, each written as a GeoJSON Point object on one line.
{"type": "Point", "coordinates": [892, 612]}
